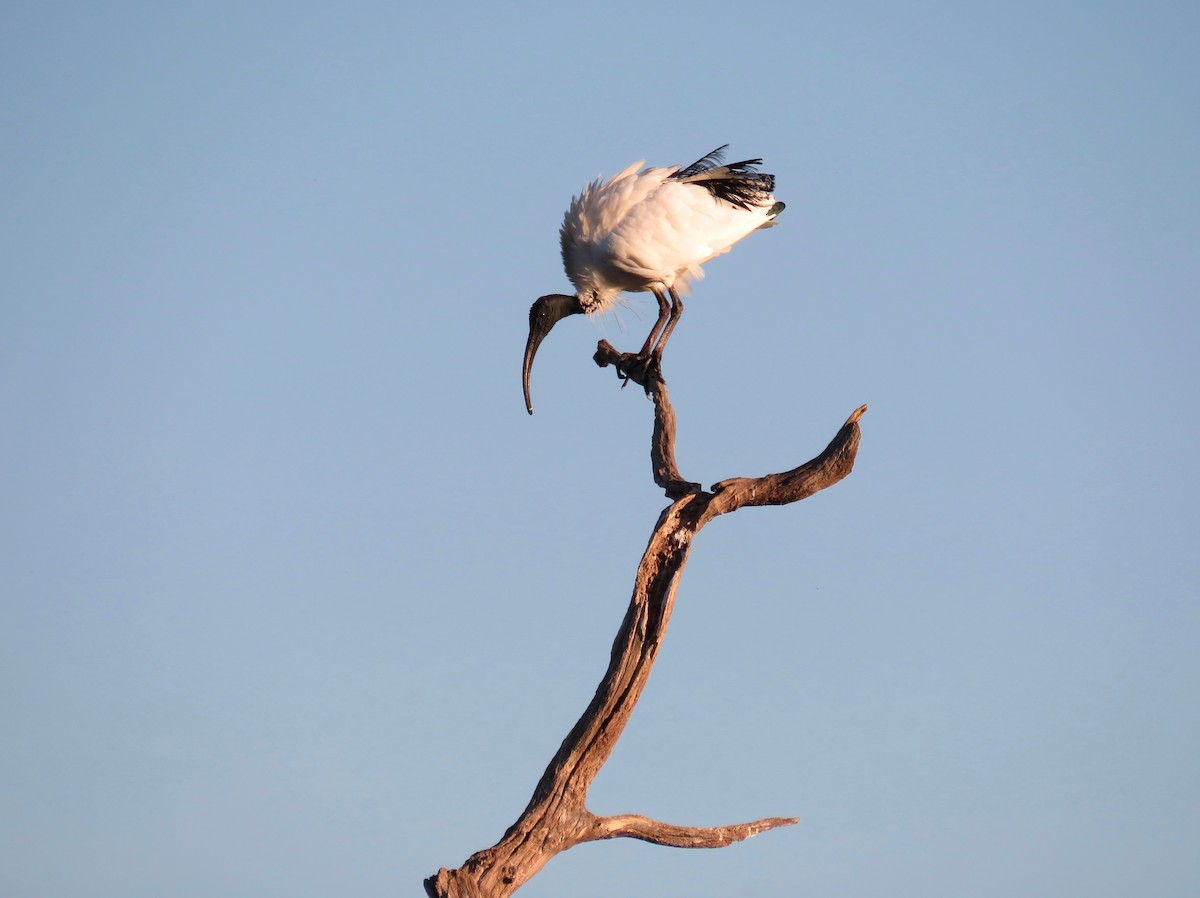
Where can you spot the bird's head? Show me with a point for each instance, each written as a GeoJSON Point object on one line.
{"type": "Point", "coordinates": [545, 312]}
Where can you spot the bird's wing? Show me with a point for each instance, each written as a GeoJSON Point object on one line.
{"type": "Point", "coordinates": [598, 212]}
{"type": "Point", "coordinates": [676, 229]}
{"type": "Point", "coordinates": [740, 184]}
{"type": "Point", "coordinates": [705, 163]}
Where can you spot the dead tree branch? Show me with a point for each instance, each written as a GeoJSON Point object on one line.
{"type": "Point", "coordinates": [557, 817]}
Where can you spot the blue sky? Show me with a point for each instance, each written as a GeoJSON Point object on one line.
{"type": "Point", "coordinates": [298, 601]}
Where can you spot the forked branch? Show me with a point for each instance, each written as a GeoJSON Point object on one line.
{"type": "Point", "coordinates": [557, 817]}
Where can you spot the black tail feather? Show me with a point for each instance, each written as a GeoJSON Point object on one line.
{"type": "Point", "coordinates": [704, 163]}
{"type": "Point", "coordinates": [739, 183]}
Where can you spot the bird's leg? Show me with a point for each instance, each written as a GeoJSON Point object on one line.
{"type": "Point", "coordinates": [638, 366]}
{"type": "Point", "coordinates": [637, 363]}
{"type": "Point", "coordinates": [664, 313]}
{"type": "Point", "coordinates": [676, 314]}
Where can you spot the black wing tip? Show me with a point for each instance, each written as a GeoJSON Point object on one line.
{"type": "Point", "coordinates": [739, 183]}
{"type": "Point", "coordinates": [707, 162]}
{"type": "Point", "coordinates": [745, 189]}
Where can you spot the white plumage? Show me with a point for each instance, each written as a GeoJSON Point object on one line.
{"type": "Point", "coordinates": [645, 229]}
{"type": "Point", "coordinates": [650, 229]}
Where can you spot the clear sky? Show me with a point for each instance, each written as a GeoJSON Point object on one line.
{"type": "Point", "coordinates": [298, 601]}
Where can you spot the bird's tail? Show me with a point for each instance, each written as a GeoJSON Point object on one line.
{"type": "Point", "coordinates": [740, 184]}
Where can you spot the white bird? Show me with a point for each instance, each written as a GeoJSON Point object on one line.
{"type": "Point", "coordinates": [651, 230]}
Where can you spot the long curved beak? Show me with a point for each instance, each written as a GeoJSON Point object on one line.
{"type": "Point", "coordinates": [545, 312]}
{"type": "Point", "coordinates": [531, 348]}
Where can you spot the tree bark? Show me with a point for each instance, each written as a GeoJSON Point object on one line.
{"type": "Point", "coordinates": [557, 817]}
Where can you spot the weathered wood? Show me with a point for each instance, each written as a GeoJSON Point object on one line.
{"type": "Point", "coordinates": [557, 817]}
{"type": "Point", "coordinates": [635, 826]}
{"type": "Point", "coordinates": [662, 442]}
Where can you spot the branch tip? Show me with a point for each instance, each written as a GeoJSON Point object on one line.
{"type": "Point", "coordinates": [635, 826]}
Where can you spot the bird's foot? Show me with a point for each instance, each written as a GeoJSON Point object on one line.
{"type": "Point", "coordinates": [641, 369]}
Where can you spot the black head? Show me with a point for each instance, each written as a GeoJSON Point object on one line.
{"type": "Point", "coordinates": [545, 312]}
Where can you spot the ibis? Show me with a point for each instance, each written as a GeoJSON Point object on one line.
{"type": "Point", "coordinates": [650, 229]}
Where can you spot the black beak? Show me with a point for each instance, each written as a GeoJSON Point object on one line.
{"type": "Point", "coordinates": [546, 312]}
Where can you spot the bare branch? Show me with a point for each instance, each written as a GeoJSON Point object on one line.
{"type": "Point", "coordinates": [799, 483]}
{"type": "Point", "coordinates": [662, 444]}
{"type": "Point", "coordinates": [556, 817]}
{"type": "Point", "coordinates": [635, 826]}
